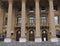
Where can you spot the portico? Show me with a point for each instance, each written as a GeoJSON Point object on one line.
{"type": "Point", "coordinates": [26, 20]}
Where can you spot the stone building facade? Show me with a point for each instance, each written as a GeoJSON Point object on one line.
{"type": "Point", "coordinates": [30, 20]}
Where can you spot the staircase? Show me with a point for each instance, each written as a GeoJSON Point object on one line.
{"type": "Point", "coordinates": [15, 43]}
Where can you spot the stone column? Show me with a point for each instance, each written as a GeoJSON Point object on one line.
{"type": "Point", "coordinates": [1, 18]}
{"type": "Point", "coordinates": [13, 24]}
{"type": "Point", "coordinates": [9, 22]}
{"type": "Point", "coordinates": [23, 24]}
{"type": "Point", "coordinates": [37, 15]}
{"type": "Point", "coordinates": [51, 22]}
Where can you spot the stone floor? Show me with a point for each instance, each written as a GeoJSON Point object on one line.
{"type": "Point", "coordinates": [15, 43]}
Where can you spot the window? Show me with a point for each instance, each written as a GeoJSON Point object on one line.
{"type": "Point", "coordinates": [58, 33]}
{"type": "Point", "coordinates": [31, 20]}
{"type": "Point", "coordinates": [6, 21]}
{"type": "Point", "coordinates": [19, 9]}
{"type": "Point", "coordinates": [31, 8]}
{"type": "Point", "coordinates": [43, 9]}
{"type": "Point", "coordinates": [18, 20]}
{"type": "Point", "coordinates": [56, 20]}
{"type": "Point", "coordinates": [44, 20]}
{"type": "Point", "coordinates": [56, 7]}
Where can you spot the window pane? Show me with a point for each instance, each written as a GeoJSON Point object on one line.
{"type": "Point", "coordinates": [18, 20]}
{"type": "Point", "coordinates": [56, 20]}
{"type": "Point", "coordinates": [44, 20]}
{"type": "Point", "coordinates": [31, 20]}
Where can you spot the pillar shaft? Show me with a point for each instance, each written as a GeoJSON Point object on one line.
{"type": "Point", "coordinates": [9, 22]}
{"type": "Point", "coordinates": [23, 18]}
{"type": "Point", "coordinates": [37, 13]}
{"type": "Point", "coordinates": [51, 19]}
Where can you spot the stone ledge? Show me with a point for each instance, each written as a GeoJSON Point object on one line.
{"type": "Point", "coordinates": [22, 40]}
{"type": "Point", "coordinates": [7, 40]}
{"type": "Point", "coordinates": [54, 39]}
{"type": "Point", "coordinates": [38, 40]}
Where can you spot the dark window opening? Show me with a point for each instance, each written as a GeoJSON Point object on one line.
{"type": "Point", "coordinates": [58, 34]}
{"type": "Point", "coordinates": [19, 9]}
{"type": "Point", "coordinates": [56, 7]}
{"type": "Point", "coordinates": [6, 21]}
{"type": "Point", "coordinates": [31, 8]}
{"type": "Point", "coordinates": [43, 8]}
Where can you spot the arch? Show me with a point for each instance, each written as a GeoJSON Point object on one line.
{"type": "Point", "coordinates": [18, 35]}
{"type": "Point", "coordinates": [44, 35]}
{"type": "Point", "coordinates": [31, 35]}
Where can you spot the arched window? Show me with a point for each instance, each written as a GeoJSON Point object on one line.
{"type": "Point", "coordinates": [44, 35]}
{"type": "Point", "coordinates": [18, 34]}
{"type": "Point", "coordinates": [31, 35]}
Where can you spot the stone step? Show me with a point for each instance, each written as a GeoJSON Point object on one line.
{"type": "Point", "coordinates": [29, 43]}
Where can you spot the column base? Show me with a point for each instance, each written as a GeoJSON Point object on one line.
{"type": "Point", "coordinates": [54, 39]}
{"type": "Point", "coordinates": [38, 40]}
{"type": "Point", "coordinates": [22, 40]}
{"type": "Point", "coordinates": [7, 40]}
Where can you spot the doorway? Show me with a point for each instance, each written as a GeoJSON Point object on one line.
{"type": "Point", "coordinates": [31, 35]}
{"type": "Point", "coordinates": [44, 35]}
{"type": "Point", "coordinates": [18, 35]}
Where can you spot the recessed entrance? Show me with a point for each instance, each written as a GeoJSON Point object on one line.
{"type": "Point", "coordinates": [18, 35]}
{"type": "Point", "coordinates": [44, 35]}
{"type": "Point", "coordinates": [31, 35]}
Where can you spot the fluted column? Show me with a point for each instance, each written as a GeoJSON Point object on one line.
{"type": "Point", "coordinates": [51, 21]}
{"type": "Point", "coordinates": [9, 22]}
{"type": "Point", "coordinates": [23, 24]}
{"type": "Point", "coordinates": [37, 15]}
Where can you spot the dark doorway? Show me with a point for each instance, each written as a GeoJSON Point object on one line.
{"type": "Point", "coordinates": [44, 35]}
{"type": "Point", "coordinates": [31, 35]}
{"type": "Point", "coordinates": [18, 35]}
